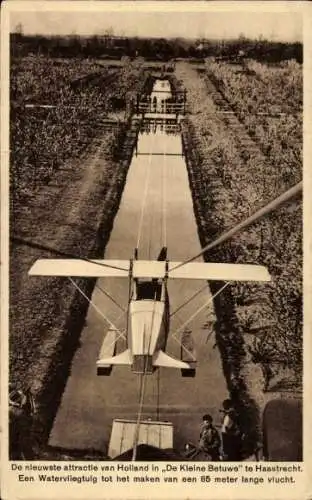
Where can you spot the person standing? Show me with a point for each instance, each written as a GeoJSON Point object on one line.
{"type": "Point", "coordinates": [230, 433]}
{"type": "Point", "coordinates": [209, 439]}
{"type": "Point", "coordinates": [21, 411]}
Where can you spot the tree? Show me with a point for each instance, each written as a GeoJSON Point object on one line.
{"type": "Point", "coordinates": [108, 37]}
{"type": "Point", "coordinates": [19, 29]}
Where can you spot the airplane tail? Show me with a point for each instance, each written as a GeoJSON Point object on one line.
{"type": "Point", "coordinates": [124, 358]}
{"type": "Point", "coordinates": [162, 359]}
{"type": "Point", "coordinates": [162, 254]}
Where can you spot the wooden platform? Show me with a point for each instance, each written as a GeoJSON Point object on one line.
{"type": "Point", "coordinates": [152, 433]}
{"type": "Point", "coordinates": [169, 108]}
{"type": "Point", "coordinates": [158, 116]}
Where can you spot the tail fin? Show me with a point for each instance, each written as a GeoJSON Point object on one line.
{"type": "Point", "coordinates": [162, 254]}
{"type": "Point", "coordinates": [123, 358]}
{"type": "Point", "coordinates": [162, 359]}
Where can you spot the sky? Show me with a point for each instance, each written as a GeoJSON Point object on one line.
{"type": "Point", "coordinates": [162, 19]}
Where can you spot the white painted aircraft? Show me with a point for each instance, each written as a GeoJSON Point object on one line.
{"type": "Point", "coordinates": [148, 311]}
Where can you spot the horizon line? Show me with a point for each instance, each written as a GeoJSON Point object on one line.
{"type": "Point", "coordinates": [242, 37]}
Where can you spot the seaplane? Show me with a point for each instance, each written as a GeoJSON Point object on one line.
{"type": "Point", "coordinates": [148, 312]}
{"type": "Point", "coordinates": [148, 323]}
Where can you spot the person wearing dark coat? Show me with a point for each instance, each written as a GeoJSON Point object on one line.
{"type": "Point", "coordinates": [209, 439]}
{"type": "Point", "coordinates": [230, 433]}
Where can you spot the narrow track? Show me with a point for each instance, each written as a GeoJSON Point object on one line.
{"type": "Point", "coordinates": [237, 129]}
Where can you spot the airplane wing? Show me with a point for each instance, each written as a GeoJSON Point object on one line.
{"type": "Point", "coordinates": [81, 268]}
{"type": "Point", "coordinates": [218, 271]}
{"type": "Point", "coordinates": [98, 268]}
{"type": "Point", "coordinates": [149, 269]}
{"type": "Point", "coordinates": [200, 271]}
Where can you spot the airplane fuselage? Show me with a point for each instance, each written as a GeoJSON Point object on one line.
{"type": "Point", "coordinates": [149, 323]}
{"type": "Point", "coordinates": [148, 333]}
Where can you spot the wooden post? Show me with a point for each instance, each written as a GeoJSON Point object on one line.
{"type": "Point", "coordinates": [137, 105]}
{"type": "Point", "coordinates": [182, 137]}
{"type": "Point", "coordinates": [184, 107]}
{"type": "Point", "coordinates": [137, 141]}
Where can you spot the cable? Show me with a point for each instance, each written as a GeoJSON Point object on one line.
{"type": "Point", "coordinates": [194, 316]}
{"type": "Point", "coordinates": [283, 198]}
{"type": "Point", "coordinates": [137, 427]}
{"type": "Point", "coordinates": [150, 230]}
{"type": "Point", "coordinates": [128, 306]}
{"type": "Point", "coordinates": [39, 246]}
{"type": "Point", "coordinates": [164, 200]}
{"type": "Point", "coordinates": [188, 300]}
{"type": "Point", "coordinates": [96, 308]}
{"type": "Point", "coordinates": [164, 239]}
{"type": "Point", "coordinates": [202, 307]}
{"type": "Point", "coordinates": [143, 384]}
{"type": "Point", "coordinates": [110, 297]}
{"type": "Point", "coordinates": [147, 179]}
{"type": "Point", "coordinates": [158, 393]}
{"type": "Point", "coordinates": [140, 410]}
{"type": "Point", "coordinates": [121, 332]}
{"type": "Point", "coordinates": [143, 376]}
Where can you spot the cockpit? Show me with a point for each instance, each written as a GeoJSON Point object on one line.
{"type": "Point", "coordinates": [148, 290]}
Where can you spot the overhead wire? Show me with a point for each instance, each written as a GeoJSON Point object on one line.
{"type": "Point", "coordinates": [164, 198]}
{"type": "Point", "coordinates": [121, 332]}
{"type": "Point", "coordinates": [193, 316]}
{"type": "Point", "coordinates": [292, 192]}
{"type": "Point", "coordinates": [150, 230]}
{"type": "Point", "coordinates": [269, 207]}
{"type": "Point", "coordinates": [198, 292]}
{"type": "Point", "coordinates": [39, 246]}
{"type": "Point", "coordinates": [143, 376]}
{"type": "Point", "coordinates": [96, 307]}
{"type": "Point", "coordinates": [105, 292]}
{"type": "Point", "coordinates": [164, 240]}
{"type": "Point", "coordinates": [158, 393]}
{"type": "Point", "coordinates": [144, 198]}
{"type": "Point", "coordinates": [143, 386]}
{"type": "Point", "coordinates": [140, 409]}
{"type": "Point", "coordinates": [138, 421]}
{"type": "Point", "coordinates": [130, 292]}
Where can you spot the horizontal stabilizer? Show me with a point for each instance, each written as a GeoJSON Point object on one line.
{"type": "Point", "coordinates": [162, 359]}
{"type": "Point", "coordinates": [124, 358]}
{"type": "Point", "coordinates": [149, 269]}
